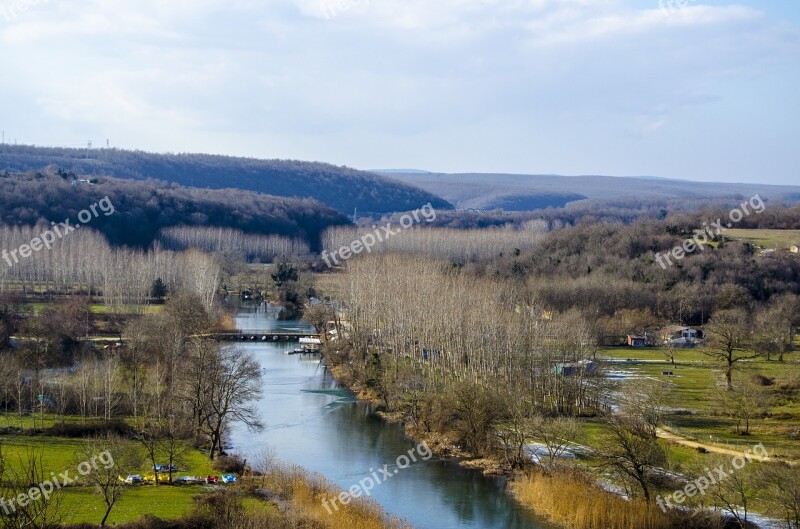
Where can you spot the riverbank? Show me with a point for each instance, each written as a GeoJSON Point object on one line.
{"type": "Point", "coordinates": [439, 443]}
{"type": "Point", "coordinates": [568, 496]}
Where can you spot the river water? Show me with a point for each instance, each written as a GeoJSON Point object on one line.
{"type": "Point", "coordinates": [313, 422]}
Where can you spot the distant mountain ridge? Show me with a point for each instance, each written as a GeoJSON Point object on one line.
{"type": "Point", "coordinates": [341, 188]}
{"type": "Point", "coordinates": [516, 192]}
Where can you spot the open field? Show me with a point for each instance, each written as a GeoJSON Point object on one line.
{"type": "Point", "coordinates": [99, 308]}
{"type": "Point", "coordinates": [697, 413]}
{"type": "Point", "coordinates": [775, 239]}
{"type": "Point", "coordinates": [81, 504]}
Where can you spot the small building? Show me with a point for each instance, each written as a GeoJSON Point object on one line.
{"type": "Point", "coordinates": [680, 336]}
{"type": "Point", "coordinates": [637, 341]}
{"type": "Point", "coordinates": [576, 368]}
{"type": "Point", "coordinates": [310, 344]}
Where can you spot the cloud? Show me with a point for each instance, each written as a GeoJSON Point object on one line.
{"type": "Point", "coordinates": [323, 76]}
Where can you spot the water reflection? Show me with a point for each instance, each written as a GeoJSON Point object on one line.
{"type": "Point", "coordinates": [312, 422]}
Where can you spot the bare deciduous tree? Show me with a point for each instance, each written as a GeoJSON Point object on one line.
{"type": "Point", "coordinates": [557, 434]}
{"type": "Point", "coordinates": [730, 341]}
{"type": "Point", "coordinates": [126, 458]}
{"type": "Point", "coordinates": [26, 478]}
{"type": "Point", "coordinates": [235, 383]}
{"type": "Point", "coordinates": [634, 452]}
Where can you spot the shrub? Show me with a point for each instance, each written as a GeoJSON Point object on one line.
{"type": "Point", "coordinates": [232, 463]}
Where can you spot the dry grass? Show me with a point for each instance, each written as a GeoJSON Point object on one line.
{"type": "Point", "coordinates": [572, 501]}
{"type": "Point", "coordinates": [300, 494]}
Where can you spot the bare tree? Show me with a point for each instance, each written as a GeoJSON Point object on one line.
{"type": "Point", "coordinates": [775, 324]}
{"type": "Point", "coordinates": [734, 494]}
{"type": "Point", "coordinates": [645, 400]}
{"type": "Point", "coordinates": [783, 481]}
{"type": "Point", "coordinates": [318, 317]}
{"type": "Point", "coordinates": [633, 452]}
{"type": "Point", "coordinates": [514, 431]}
{"type": "Point", "coordinates": [125, 458]}
{"type": "Point", "coordinates": [555, 433]}
{"type": "Point", "coordinates": [730, 341]}
{"type": "Point", "coordinates": [147, 431]}
{"type": "Point", "coordinates": [173, 441]}
{"type": "Point", "coordinates": [28, 478]}
{"type": "Point", "coordinates": [236, 383]}
{"type": "Point", "coordinates": [743, 403]}
{"type": "Point", "coordinates": [669, 351]}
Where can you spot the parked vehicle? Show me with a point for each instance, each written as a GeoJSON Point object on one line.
{"type": "Point", "coordinates": [189, 480]}
{"type": "Point", "coordinates": [134, 479]}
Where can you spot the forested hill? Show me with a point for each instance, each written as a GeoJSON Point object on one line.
{"type": "Point", "coordinates": [515, 192]}
{"type": "Point", "coordinates": [142, 208]}
{"type": "Point", "coordinates": [341, 188]}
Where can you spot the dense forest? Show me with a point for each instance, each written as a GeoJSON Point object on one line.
{"type": "Point", "coordinates": [341, 188]}
{"type": "Point", "coordinates": [606, 267]}
{"type": "Point", "coordinates": [143, 208]}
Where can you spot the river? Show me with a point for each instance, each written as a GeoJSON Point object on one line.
{"type": "Point", "coordinates": [313, 422]}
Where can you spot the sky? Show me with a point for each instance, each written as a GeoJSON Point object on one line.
{"type": "Point", "coordinates": [692, 89]}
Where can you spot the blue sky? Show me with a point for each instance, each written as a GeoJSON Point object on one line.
{"type": "Point", "coordinates": [694, 89]}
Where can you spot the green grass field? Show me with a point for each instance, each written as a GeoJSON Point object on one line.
{"type": "Point", "coordinates": [97, 308]}
{"type": "Point", "coordinates": [81, 504]}
{"type": "Point", "coordinates": [775, 239]}
{"type": "Point", "coordinates": [696, 388]}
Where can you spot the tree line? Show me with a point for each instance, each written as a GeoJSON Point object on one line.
{"type": "Point", "coordinates": [84, 262]}
{"type": "Point", "coordinates": [458, 246]}
{"type": "Point", "coordinates": [252, 248]}
{"type": "Point", "coordinates": [175, 388]}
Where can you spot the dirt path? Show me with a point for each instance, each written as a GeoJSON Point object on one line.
{"type": "Point", "coordinates": [675, 438]}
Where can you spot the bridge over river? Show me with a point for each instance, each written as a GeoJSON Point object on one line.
{"type": "Point", "coordinates": [270, 336]}
{"type": "Point", "coordinates": [260, 336]}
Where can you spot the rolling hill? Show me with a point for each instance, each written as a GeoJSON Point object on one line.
{"type": "Point", "coordinates": [528, 192]}
{"type": "Point", "coordinates": [341, 188]}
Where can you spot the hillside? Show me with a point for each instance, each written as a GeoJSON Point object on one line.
{"type": "Point", "coordinates": [527, 192]}
{"type": "Point", "coordinates": [341, 188]}
{"type": "Point", "coordinates": [143, 208]}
